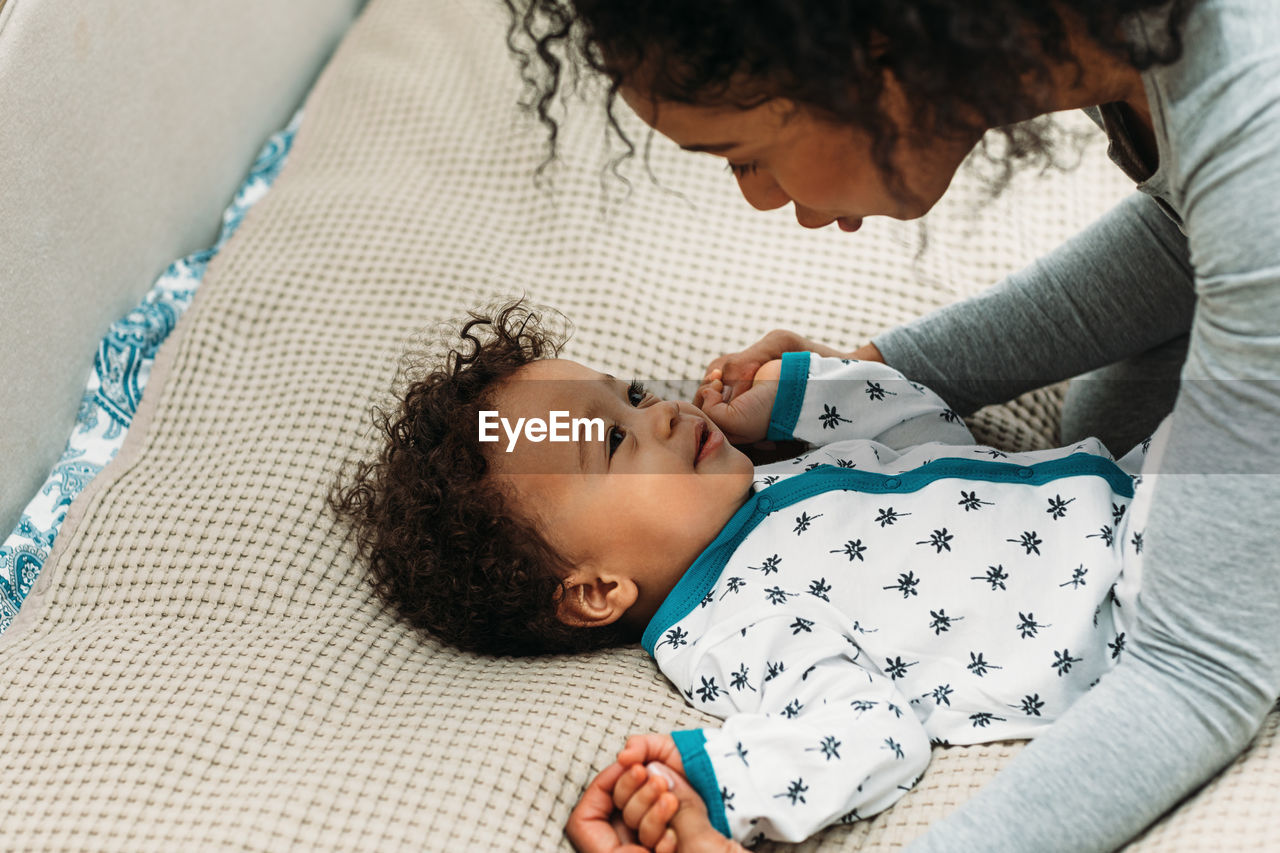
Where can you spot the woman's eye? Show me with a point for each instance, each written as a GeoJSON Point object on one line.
{"type": "Point", "coordinates": [615, 437]}
{"type": "Point", "coordinates": [636, 393]}
{"type": "Point", "coordinates": [741, 170]}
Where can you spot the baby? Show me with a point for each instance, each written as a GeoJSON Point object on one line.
{"type": "Point", "coordinates": [895, 586]}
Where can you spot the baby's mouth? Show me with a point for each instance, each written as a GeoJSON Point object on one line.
{"type": "Point", "coordinates": [708, 442]}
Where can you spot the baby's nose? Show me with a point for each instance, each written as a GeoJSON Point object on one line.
{"type": "Point", "coordinates": [664, 416]}
{"type": "Point", "coordinates": [673, 413]}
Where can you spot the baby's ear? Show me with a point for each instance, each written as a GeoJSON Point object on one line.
{"type": "Point", "coordinates": [590, 599]}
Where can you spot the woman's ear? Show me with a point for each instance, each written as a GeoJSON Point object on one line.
{"type": "Point", "coordinates": [590, 599]}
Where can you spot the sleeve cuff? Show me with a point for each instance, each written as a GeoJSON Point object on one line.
{"type": "Point", "coordinates": [702, 776]}
{"type": "Point", "coordinates": [790, 396]}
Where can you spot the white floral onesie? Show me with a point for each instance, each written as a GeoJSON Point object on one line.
{"type": "Point", "coordinates": [895, 586]}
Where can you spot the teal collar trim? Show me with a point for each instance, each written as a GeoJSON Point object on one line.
{"type": "Point", "coordinates": [705, 571]}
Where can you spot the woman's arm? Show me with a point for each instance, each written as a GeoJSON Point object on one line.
{"type": "Point", "coordinates": [1121, 287]}
{"type": "Point", "coordinates": [1203, 665]}
{"type": "Point", "coordinates": [1118, 288]}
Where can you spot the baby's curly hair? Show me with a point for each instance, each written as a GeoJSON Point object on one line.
{"type": "Point", "coordinates": [963, 66]}
{"type": "Point", "coordinates": [444, 546]}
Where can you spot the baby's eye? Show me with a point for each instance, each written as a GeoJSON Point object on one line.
{"type": "Point", "coordinates": [741, 170]}
{"type": "Point", "coordinates": [636, 392]}
{"type": "Point", "coordinates": [615, 437]}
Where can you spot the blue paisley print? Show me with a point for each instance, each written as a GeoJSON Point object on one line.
{"type": "Point", "coordinates": [115, 388]}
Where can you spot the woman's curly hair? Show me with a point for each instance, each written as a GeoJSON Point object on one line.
{"type": "Point", "coordinates": [444, 546]}
{"type": "Point", "coordinates": [963, 66]}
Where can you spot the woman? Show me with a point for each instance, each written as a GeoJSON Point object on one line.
{"type": "Point", "coordinates": [1171, 304]}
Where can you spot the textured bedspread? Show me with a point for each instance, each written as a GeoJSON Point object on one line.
{"type": "Point", "coordinates": [200, 663]}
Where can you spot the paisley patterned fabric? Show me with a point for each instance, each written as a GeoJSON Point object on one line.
{"type": "Point", "coordinates": [120, 370]}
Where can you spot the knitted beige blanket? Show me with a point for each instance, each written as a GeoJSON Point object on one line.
{"type": "Point", "coordinates": [201, 665]}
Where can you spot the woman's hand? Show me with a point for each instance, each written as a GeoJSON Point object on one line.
{"type": "Point", "coordinates": [598, 823]}
{"type": "Point", "coordinates": [738, 369]}
{"type": "Point", "coordinates": [594, 825]}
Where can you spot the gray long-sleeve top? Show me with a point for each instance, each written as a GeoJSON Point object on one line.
{"type": "Point", "coordinates": [1205, 667]}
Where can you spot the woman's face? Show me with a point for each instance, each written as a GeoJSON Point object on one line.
{"type": "Point", "coordinates": [783, 153]}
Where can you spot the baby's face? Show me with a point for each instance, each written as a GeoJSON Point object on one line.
{"type": "Point", "coordinates": [648, 496]}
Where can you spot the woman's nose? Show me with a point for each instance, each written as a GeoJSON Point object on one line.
{"type": "Point", "coordinates": [761, 191]}
{"type": "Point", "coordinates": [811, 218]}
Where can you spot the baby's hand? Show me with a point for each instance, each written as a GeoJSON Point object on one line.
{"type": "Point", "coordinates": [738, 369]}
{"type": "Point", "coordinates": [667, 814]}
{"type": "Point", "coordinates": [744, 419]}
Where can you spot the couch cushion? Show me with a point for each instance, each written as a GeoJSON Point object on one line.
{"type": "Point", "coordinates": [127, 127]}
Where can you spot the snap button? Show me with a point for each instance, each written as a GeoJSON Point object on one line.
{"type": "Point", "coordinates": [1024, 473]}
{"type": "Point", "coordinates": [765, 504]}
{"type": "Point", "coordinates": [892, 483]}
